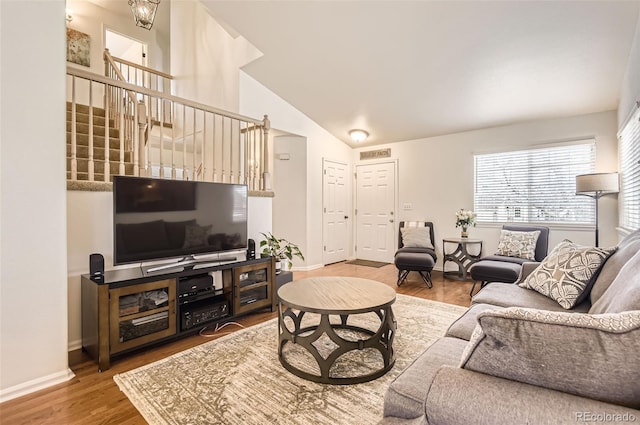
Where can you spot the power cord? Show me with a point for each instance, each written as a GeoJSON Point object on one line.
{"type": "Point", "coordinates": [218, 328]}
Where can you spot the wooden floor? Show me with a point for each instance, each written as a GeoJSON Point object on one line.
{"type": "Point", "coordinates": [92, 397]}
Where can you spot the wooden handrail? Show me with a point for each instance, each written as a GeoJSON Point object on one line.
{"type": "Point", "coordinates": [109, 58]}
{"type": "Point", "coordinates": [140, 67]}
{"type": "Point", "coordinates": [142, 90]}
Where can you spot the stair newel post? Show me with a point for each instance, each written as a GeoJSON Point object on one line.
{"type": "Point", "coordinates": [185, 176]}
{"type": "Point", "coordinates": [107, 141]}
{"type": "Point", "coordinates": [74, 131]}
{"type": "Point", "coordinates": [203, 158]}
{"type": "Point", "coordinates": [194, 176]}
{"type": "Point", "coordinates": [231, 146]}
{"type": "Point", "coordinates": [139, 148]}
{"type": "Point", "coordinates": [266, 175]}
{"type": "Point", "coordinates": [213, 149]}
{"type": "Point", "coordinates": [160, 146]}
{"type": "Point", "coordinates": [90, 166]}
{"type": "Point", "coordinates": [245, 154]}
{"type": "Point", "coordinates": [121, 168]}
{"type": "Point", "coordinates": [173, 142]}
{"type": "Point", "coordinates": [222, 147]}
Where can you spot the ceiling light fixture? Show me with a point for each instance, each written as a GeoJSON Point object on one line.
{"type": "Point", "coordinates": [144, 12]}
{"type": "Point", "coordinates": [358, 136]}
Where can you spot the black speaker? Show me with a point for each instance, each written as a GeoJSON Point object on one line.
{"type": "Point", "coordinates": [251, 250]}
{"type": "Point", "coordinates": [96, 265]}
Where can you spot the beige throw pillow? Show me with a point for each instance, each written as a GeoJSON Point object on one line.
{"type": "Point", "coordinates": [589, 355]}
{"type": "Point", "coordinates": [416, 237]}
{"type": "Point", "coordinates": [518, 244]}
{"type": "Point", "coordinates": [568, 273]}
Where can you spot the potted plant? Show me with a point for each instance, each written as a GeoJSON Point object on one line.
{"type": "Point", "coordinates": [280, 248]}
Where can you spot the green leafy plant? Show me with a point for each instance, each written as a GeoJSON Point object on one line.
{"type": "Point", "coordinates": [280, 248]}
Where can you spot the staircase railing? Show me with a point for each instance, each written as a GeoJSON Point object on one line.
{"type": "Point", "coordinates": [142, 76]}
{"type": "Point", "coordinates": [202, 142]}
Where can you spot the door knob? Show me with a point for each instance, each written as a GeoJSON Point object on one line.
{"type": "Point", "coordinates": [346, 217]}
{"type": "Point", "coordinates": [391, 221]}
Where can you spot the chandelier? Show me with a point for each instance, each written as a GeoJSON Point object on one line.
{"type": "Point", "coordinates": [144, 12]}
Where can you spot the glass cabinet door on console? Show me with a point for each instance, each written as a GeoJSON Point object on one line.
{"type": "Point", "coordinates": [252, 290]}
{"type": "Point", "coordinates": [141, 314]}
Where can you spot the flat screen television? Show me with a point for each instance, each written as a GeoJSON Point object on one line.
{"type": "Point", "coordinates": [156, 219]}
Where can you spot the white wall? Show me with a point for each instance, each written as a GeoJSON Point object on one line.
{"type": "Point", "coordinates": [256, 100]}
{"type": "Point", "coordinates": [92, 19]}
{"type": "Point", "coordinates": [436, 173]}
{"type": "Point", "coordinates": [630, 90]}
{"type": "Point", "coordinates": [33, 284]}
{"type": "Point", "coordinates": [290, 184]}
{"type": "Point", "coordinates": [205, 59]}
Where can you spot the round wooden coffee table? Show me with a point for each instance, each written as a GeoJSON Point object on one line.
{"type": "Point", "coordinates": [343, 297]}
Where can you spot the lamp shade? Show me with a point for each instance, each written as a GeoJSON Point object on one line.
{"type": "Point", "coordinates": [597, 183]}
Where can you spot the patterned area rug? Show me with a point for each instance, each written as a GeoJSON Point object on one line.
{"type": "Point", "coordinates": [238, 379]}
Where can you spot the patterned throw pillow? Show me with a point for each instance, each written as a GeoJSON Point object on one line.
{"type": "Point", "coordinates": [518, 244]}
{"type": "Point", "coordinates": [589, 355]}
{"type": "Point", "coordinates": [416, 237]}
{"type": "Point", "coordinates": [568, 272]}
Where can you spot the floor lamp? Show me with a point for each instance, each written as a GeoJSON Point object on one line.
{"type": "Point", "coordinates": [595, 186]}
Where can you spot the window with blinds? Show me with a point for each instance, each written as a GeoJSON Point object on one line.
{"type": "Point", "coordinates": [629, 152]}
{"type": "Point", "coordinates": [535, 185]}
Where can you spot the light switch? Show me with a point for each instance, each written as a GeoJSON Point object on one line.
{"type": "Point", "coordinates": [407, 206]}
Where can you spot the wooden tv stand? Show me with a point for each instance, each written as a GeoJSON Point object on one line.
{"type": "Point", "coordinates": [129, 309]}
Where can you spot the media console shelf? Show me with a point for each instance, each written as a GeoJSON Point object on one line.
{"type": "Point", "coordinates": [129, 309]}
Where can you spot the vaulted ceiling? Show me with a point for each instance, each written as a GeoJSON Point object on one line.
{"type": "Point", "coordinates": [405, 70]}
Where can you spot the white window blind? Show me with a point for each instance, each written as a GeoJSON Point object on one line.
{"type": "Point", "coordinates": [534, 186]}
{"type": "Point", "coordinates": [629, 152]}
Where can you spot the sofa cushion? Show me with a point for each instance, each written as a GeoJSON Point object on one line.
{"type": "Point", "coordinates": [509, 295]}
{"type": "Point", "coordinates": [518, 244]}
{"type": "Point", "coordinates": [626, 249]}
{"type": "Point", "coordinates": [590, 355]}
{"type": "Point", "coordinates": [568, 272]}
{"type": "Point", "coordinates": [624, 293]}
{"type": "Point", "coordinates": [416, 237]}
{"type": "Point", "coordinates": [464, 326]}
{"type": "Point", "coordinates": [406, 395]}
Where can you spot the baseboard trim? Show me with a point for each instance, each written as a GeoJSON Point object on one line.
{"type": "Point", "coordinates": [307, 268]}
{"type": "Point", "coordinates": [35, 385]}
{"type": "Point", "coordinates": [74, 345]}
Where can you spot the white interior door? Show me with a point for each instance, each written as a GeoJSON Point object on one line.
{"type": "Point", "coordinates": [335, 214]}
{"type": "Point", "coordinates": [375, 211]}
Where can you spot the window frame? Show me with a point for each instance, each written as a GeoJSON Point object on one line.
{"type": "Point", "coordinates": [629, 177]}
{"type": "Point", "coordinates": [530, 151]}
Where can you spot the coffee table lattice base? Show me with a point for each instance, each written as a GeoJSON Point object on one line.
{"type": "Point", "coordinates": [381, 340]}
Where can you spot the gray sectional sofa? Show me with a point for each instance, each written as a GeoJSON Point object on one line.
{"type": "Point", "coordinates": [518, 357]}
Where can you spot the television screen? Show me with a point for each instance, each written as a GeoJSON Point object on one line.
{"type": "Point", "coordinates": [157, 219]}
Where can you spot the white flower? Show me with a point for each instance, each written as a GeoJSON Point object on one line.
{"type": "Point", "coordinates": [465, 218]}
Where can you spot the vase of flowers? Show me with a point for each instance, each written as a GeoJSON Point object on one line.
{"type": "Point", "coordinates": [464, 219]}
